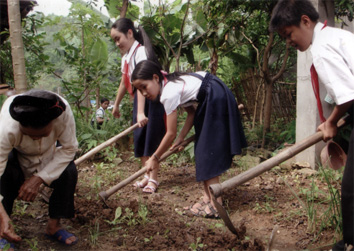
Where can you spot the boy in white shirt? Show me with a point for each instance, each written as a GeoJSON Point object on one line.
{"type": "Point", "coordinates": [333, 62]}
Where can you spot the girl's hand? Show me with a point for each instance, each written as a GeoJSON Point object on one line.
{"type": "Point", "coordinates": [328, 129]}
{"type": "Point", "coordinates": [142, 119]}
{"type": "Point", "coordinates": [151, 164]}
{"type": "Point", "coordinates": [116, 112]}
{"type": "Point", "coordinates": [176, 145]}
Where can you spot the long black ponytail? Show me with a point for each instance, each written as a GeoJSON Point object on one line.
{"type": "Point", "coordinates": [123, 25]}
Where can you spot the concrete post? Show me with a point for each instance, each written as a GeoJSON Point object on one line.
{"type": "Point", "coordinates": [307, 118]}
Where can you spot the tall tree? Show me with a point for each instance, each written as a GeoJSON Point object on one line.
{"type": "Point", "coordinates": [124, 9]}
{"type": "Point", "coordinates": [171, 31]}
{"type": "Point", "coordinates": [18, 55]}
{"type": "Point", "coordinates": [121, 8]}
{"type": "Point", "coordinates": [84, 49]}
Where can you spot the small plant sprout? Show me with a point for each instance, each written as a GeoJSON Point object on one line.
{"type": "Point", "coordinates": [94, 233]}
{"type": "Point", "coordinates": [129, 216]}
{"type": "Point", "coordinates": [33, 243]}
{"type": "Point", "coordinates": [117, 217]}
{"type": "Point", "coordinates": [146, 240]}
{"type": "Point", "coordinates": [143, 213]}
{"type": "Point", "coordinates": [197, 245]}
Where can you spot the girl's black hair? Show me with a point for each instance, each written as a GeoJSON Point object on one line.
{"type": "Point", "coordinates": [146, 70]}
{"type": "Point", "coordinates": [36, 108]}
{"type": "Point", "coordinates": [289, 12]}
{"type": "Point", "coordinates": [123, 25]}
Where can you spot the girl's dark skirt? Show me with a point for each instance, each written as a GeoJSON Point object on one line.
{"type": "Point", "coordinates": [218, 129]}
{"type": "Point", "coordinates": [148, 138]}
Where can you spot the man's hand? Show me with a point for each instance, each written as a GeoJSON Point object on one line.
{"type": "Point", "coordinates": [29, 189]}
{"type": "Point", "coordinates": [6, 228]}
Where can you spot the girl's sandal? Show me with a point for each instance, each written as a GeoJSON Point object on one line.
{"type": "Point", "coordinates": [213, 213]}
{"type": "Point", "coordinates": [190, 211]}
{"type": "Point", "coordinates": [142, 183]}
{"type": "Point", "coordinates": [149, 188]}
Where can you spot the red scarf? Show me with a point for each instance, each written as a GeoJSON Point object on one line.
{"type": "Point", "coordinates": [316, 87]}
{"type": "Point", "coordinates": [126, 76]}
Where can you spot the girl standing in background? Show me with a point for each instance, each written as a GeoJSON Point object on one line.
{"type": "Point", "coordinates": [136, 47]}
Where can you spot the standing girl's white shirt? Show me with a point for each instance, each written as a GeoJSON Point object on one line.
{"type": "Point", "coordinates": [132, 59]}
{"type": "Point", "coordinates": [178, 93]}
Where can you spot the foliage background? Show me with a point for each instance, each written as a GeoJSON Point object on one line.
{"type": "Point", "coordinates": [75, 57]}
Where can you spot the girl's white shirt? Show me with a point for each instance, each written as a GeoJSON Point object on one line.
{"type": "Point", "coordinates": [333, 57]}
{"type": "Point", "coordinates": [180, 93]}
{"type": "Point", "coordinates": [140, 55]}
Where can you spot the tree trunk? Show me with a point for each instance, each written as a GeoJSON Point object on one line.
{"type": "Point", "coordinates": [86, 100]}
{"type": "Point", "coordinates": [17, 51]}
{"type": "Point", "coordinates": [267, 111]}
{"type": "Point", "coordinates": [98, 100]}
{"type": "Point", "coordinates": [213, 64]}
{"type": "Point", "coordinates": [124, 9]}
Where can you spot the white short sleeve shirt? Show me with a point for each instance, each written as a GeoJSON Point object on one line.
{"type": "Point", "coordinates": [333, 57]}
{"type": "Point", "coordinates": [133, 57]}
{"type": "Point", "coordinates": [180, 93]}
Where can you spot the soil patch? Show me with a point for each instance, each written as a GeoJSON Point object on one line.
{"type": "Point", "coordinates": [133, 220]}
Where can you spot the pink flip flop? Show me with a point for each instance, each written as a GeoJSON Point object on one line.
{"type": "Point", "coordinates": [140, 184]}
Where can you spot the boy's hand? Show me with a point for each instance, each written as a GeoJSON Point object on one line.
{"type": "Point", "coordinates": [328, 129]}
{"type": "Point", "coordinates": [29, 189]}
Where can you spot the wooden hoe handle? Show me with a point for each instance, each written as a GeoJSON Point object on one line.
{"type": "Point", "coordinates": [106, 194]}
{"type": "Point", "coordinates": [218, 189]}
{"type": "Point", "coordinates": [105, 144]}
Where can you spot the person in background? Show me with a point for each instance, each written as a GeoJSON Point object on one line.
{"type": "Point", "coordinates": [333, 66]}
{"type": "Point", "coordinates": [31, 126]}
{"type": "Point", "coordinates": [136, 47]}
{"type": "Point", "coordinates": [100, 115]}
{"type": "Point", "coordinates": [212, 110]}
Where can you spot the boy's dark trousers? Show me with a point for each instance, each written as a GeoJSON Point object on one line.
{"type": "Point", "coordinates": [61, 202]}
{"type": "Point", "coordinates": [347, 200]}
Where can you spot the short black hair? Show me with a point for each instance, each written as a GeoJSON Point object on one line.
{"type": "Point", "coordinates": [104, 100]}
{"type": "Point", "coordinates": [36, 108]}
{"type": "Point", "coordinates": [289, 12]}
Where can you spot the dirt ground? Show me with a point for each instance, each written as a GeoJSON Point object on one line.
{"type": "Point", "coordinates": [157, 222]}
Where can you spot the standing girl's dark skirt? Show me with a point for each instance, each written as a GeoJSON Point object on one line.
{"type": "Point", "coordinates": [218, 128]}
{"type": "Point", "coordinates": [148, 138]}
